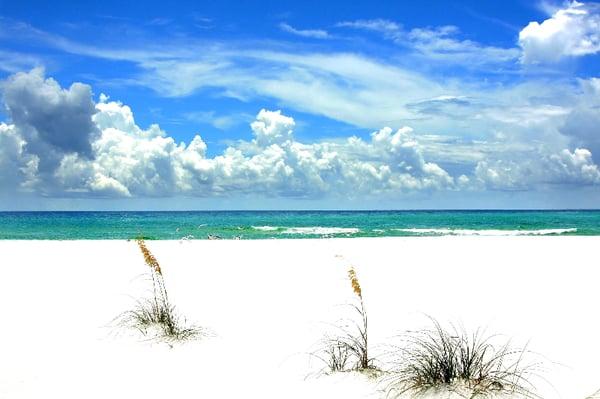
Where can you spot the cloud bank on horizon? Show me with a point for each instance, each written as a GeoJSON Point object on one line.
{"type": "Point", "coordinates": [430, 111]}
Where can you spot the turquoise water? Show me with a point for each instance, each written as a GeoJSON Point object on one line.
{"type": "Point", "coordinates": [291, 224]}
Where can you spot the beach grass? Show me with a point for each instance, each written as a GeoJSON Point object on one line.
{"type": "Point", "coordinates": [349, 349]}
{"type": "Point", "coordinates": [156, 315]}
{"type": "Point", "coordinates": [472, 365]}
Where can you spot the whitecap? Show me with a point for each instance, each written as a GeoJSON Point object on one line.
{"type": "Point", "coordinates": [265, 228]}
{"type": "Point", "coordinates": [317, 230]}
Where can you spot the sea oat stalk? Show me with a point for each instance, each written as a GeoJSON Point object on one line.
{"type": "Point", "coordinates": [360, 344]}
{"type": "Point", "coordinates": [158, 282]}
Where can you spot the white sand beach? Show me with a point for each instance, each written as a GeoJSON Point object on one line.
{"type": "Point", "coordinates": [268, 302]}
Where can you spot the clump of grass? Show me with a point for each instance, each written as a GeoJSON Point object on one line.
{"type": "Point", "coordinates": [349, 350]}
{"type": "Point", "coordinates": [471, 364]}
{"type": "Point", "coordinates": [150, 315]}
{"type": "Point", "coordinates": [334, 354]}
{"type": "Point", "coordinates": [157, 314]}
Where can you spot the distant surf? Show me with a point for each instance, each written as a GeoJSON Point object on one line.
{"type": "Point", "coordinates": [265, 228]}
{"type": "Point", "coordinates": [318, 230]}
{"type": "Point", "coordinates": [469, 232]}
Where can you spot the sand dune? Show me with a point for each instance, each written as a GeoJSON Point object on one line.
{"type": "Point", "coordinates": [268, 302]}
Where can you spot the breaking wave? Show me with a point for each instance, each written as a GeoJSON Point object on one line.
{"type": "Point", "coordinates": [471, 232]}
{"type": "Point", "coordinates": [321, 230]}
{"type": "Point", "coordinates": [265, 228]}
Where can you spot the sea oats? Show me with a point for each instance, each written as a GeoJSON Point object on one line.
{"type": "Point", "coordinates": [355, 284]}
{"type": "Point", "coordinates": [352, 346]}
{"type": "Point", "coordinates": [157, 311]}
{"type": "Point", "coordinates": [148, 257]}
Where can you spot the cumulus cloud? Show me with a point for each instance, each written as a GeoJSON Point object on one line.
{"type": "Point", "coordinates": [582, 124]}
{"type": "Point", "coordinates": [133, 162]}
{"type": "Point", "coordinates": [61, 118]}
{"type": "Point", "coordinates": [51, 120]}
{"type": "Point", "coordinates": [570, 32]}
{"type": "Point", "coordinates": [17, 168]}
{"type": "Point", "coordinates": [272, 128]}
{"type": "Point", "coordinates": [575, 167]}
{"type": "Point", "coordinates": [566, 167]}
{"type": "Point", "coordinates": [125, 160]}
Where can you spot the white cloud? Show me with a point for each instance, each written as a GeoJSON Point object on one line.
{"type": "Point", "coordinates": [582, 124]}
{"type": "Point", "coordinates": [444, 104]}
{"type": "Point", "coordinates": [575, 167]}
{"type": "Point", "coordinates": [354, 88]}
{"type": "Point", "coordinates": [219, 121]}
{"type": "Point", "coordinates": [128, 161]}
{"type": "Point", "coordinates": [390, 28]}
{"type": "Point", "coordinates": [522, 173]}
{"type": "Point", "coordinates": [272, 128]}
{"type": "Point", "coordinates": [570, 32]}
{"type": "Point", "coordinates": [12, 61]}
{"type": "Point", "coordinates": [125, 160]}
{"type": "Point", "coordinates": [104, 185]}
{"type": "Point", "coordinates": [17, 168]}
{"type": "Point", "coordinates": [439, 43]}
{"type": "Point", "coordinates": [337, 85]}
{"type": "Point", "coordinates": [346, 84]}
{"type": "Point", "coordinates": [133, 162]}
{"type": "Point", "coordinates": [274, 164]}
{"type": "Point", "coordinates": [119, 116]}
{"type": "Point", "coordinates": [312, 33]}
{"type": "Point", "coordinates": [465, 131]}
{"type": "Point", "coordinates": [51, 119]}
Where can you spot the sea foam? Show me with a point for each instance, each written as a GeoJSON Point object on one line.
{"type": "Point", "coordinates": [265, 228]}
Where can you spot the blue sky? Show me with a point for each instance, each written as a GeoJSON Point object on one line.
{"type": "Point", "coordinates": [299, 105]}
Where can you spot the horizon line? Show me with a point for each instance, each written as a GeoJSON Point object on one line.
{"type": "Point", "coordinates": [319, 210]}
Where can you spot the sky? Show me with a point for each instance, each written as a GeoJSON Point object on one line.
{"type": "Point", "coordinates": [299, 105]}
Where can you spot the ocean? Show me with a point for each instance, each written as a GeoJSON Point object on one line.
{"type": "Point", "coordinates": [292, 224]}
